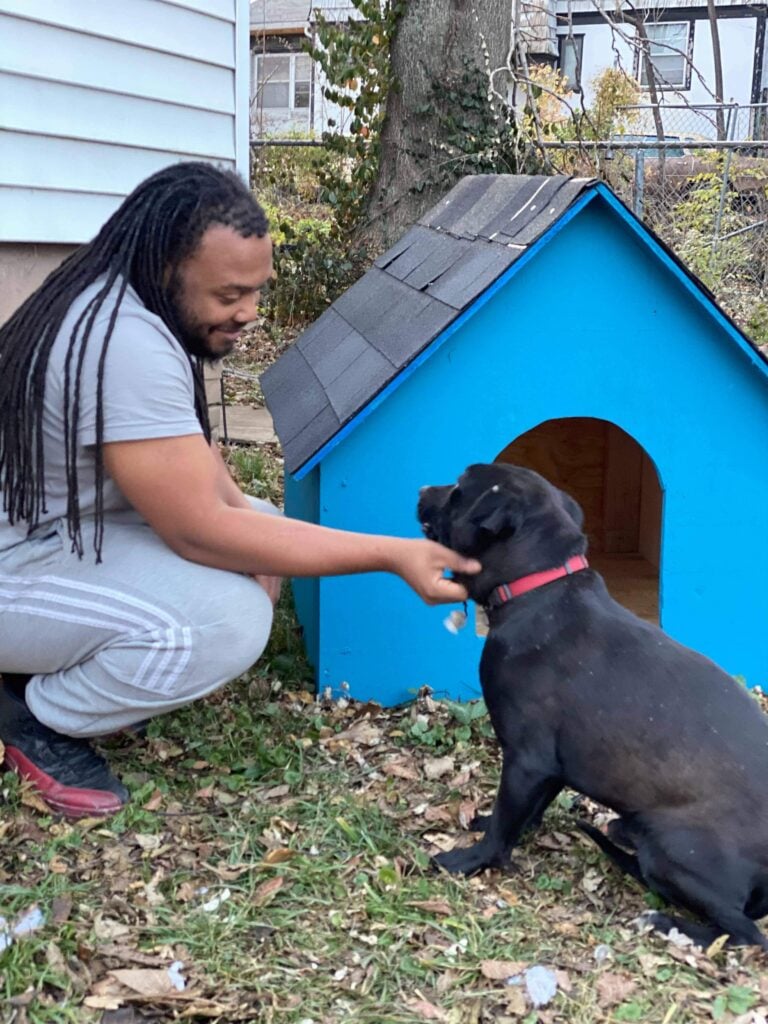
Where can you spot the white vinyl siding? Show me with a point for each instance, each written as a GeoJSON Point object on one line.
{"type": "Point", "coordinates": [96, 96]}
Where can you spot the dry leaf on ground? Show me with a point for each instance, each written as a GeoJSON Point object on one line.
{"type": "Point", "coordinates": [426, 1010]}
{"type": "Point", "coordinates": [268, 890]}
{"type": "Point", "coordinates": [361, 731]}
{"type": "Point", "coordinates": [500, 970]}
{"type": "Point", "coordinates": [613, 988]}
{"type": "Point", "coordinates": [149, 982]}
{"type": "Point", "coordinates": [433, 906]}
{"type": "Point", "coordinates": [436, 767]}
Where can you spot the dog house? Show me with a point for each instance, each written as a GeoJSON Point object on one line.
{"type": "Point", "coordinates": [534, 320]}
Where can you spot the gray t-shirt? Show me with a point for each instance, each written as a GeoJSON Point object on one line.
{"type": "Point", "coordinates": [148, 392]}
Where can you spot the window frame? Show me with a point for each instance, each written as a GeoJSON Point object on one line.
{"type": "Point", "coordinates": [685, 54]}
{"type": "Point", "coordinates": [292, 58]}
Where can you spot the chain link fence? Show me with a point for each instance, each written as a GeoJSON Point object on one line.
{"type": "Point", "coordinates": [705, 193]}
{"type": "Point", "coordinates": [698, 176]}
{"type": "Point", "coordinates": [688, 123]}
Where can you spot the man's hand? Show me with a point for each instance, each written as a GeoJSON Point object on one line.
{"type": "Point", "coordinates": [422, 563]}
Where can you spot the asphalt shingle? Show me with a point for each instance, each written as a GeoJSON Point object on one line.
{"type": "Point", "coordinates": [417, 288]}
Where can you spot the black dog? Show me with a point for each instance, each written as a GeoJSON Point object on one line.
{"type": "Point", "coordinates": [583, 693]}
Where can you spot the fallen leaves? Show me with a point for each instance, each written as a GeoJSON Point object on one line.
{"type": "Point", "coordinates": [432, 906]}
{"type": "Point", "coordinates": [437, 767]}
{"type": "Point", "coordinates": [613, 988]}
{"type": "Point", "coordinates": [267, 891]}
{"type": "Point", "coordinates": [108, 928]}
{"type": "Point", "coordinates": [501, 970]}
{"type": "Point", "coordinates": [310, 872]}
{"type": "Point", "coordinates": [425, 1009]}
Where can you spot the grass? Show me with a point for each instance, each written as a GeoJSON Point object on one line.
{"type": "Point", "coordinates": [317, 849]}
{"type": "Point", "coordinates": [278, 847]}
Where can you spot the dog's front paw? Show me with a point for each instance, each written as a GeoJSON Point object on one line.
{"type": "Point", "coordinates": [468, 860]}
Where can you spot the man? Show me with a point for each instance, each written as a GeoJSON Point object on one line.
{"type": "Point", "coordinates": [134, 574]}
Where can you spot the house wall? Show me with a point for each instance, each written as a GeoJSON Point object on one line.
{"type": "Point", "coordinates": [630, 351]}
{"type": "Point", "coordinates": [276, 24]}
{"type": "Point", "coordinates": [738, 40]}
{"type": "Point", "coordinates": [23, 268]}
{"type": "Point", "coordinates": [97, 96]}
{"type": "Point", "coordinates": [94, 97]}
{"type": "Point", "coordinates": [282, 124]}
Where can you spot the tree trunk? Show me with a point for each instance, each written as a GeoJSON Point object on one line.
{"type": "Point", "coordinates": [439, 52]}
{"type": "Point", "coordinates": [718, 62]}
{"type": "Point", "coordinates": [653, 92]}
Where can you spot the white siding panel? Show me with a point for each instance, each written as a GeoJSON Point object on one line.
{"type": "Point", "coordinates": [48, 108]}
{"type": "Point", "coordinates": [56, 54]}
{"type": "Point", "coordinates": [224, 9]}
{"type": "Point", "coordinates": [95, 95]}
{"type": "Point", "coordinates": [152, 24]}
{"type": "Point", "coordinates": [28, 215]}
{"type": "Point", "coordinates": [34, 161]}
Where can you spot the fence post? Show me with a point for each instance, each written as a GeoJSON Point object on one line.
{"type": "Point", "coordinates": [724, 188]}
{"type": "Point", "coordinates": [639, 183]}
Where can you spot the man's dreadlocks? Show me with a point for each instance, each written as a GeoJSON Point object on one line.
{"type": "Point", "coordinates": [155, 229]}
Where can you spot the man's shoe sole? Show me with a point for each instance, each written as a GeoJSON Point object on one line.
{"type": "Point", "coordinates": [66, 800]}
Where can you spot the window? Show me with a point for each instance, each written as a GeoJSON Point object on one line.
{"type": "Point", "coordinates": [569, 60]}
{"type": "Point", "coordinates": [671, 43]}
{"type": "Point", "coordinates": [283, 81]}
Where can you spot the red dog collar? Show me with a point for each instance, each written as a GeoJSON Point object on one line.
{"type": "Point", "coordinates": [506, 591]}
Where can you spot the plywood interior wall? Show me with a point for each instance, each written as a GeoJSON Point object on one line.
{"type": "Point", "coordinates": [616, 484]}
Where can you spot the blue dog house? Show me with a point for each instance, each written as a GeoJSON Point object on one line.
{"type": "Point", "coordinates": [533, 320]}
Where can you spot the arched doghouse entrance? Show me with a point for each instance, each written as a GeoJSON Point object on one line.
{"type": "Point", "coordinates": [616, 484]}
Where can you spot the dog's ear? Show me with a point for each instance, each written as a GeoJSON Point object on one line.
{"type": "Point", "coordinates": [573, 508]}
{"type": "Point", "coordinates": [492, 514]}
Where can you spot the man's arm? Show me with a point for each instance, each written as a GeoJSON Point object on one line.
{"type": "Point", "coordinates": [230, 493]}
{"type": "Point", "coordinates": [175, 483]}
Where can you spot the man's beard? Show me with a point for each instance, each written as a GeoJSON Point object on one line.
{"type": "Point", "coordinates": [191, 332]}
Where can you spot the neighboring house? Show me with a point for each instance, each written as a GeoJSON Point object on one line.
{"type": "Point", "coordinates": [682, 56]}
{"type": "Point", "coordinates": [287, 89]}
{"type": "Point", "coordinates": [286, 85]}
{"type": "Point", "coordinates": [443, 354]}
{"type": "Point", "coordinates": [96, 96]}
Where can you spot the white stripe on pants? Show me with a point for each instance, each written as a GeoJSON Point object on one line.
{"type": "Point", "coordinates": [142, 633]}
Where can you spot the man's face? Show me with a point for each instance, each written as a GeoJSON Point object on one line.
{"type": "Point", "coordinates": [216, 290]}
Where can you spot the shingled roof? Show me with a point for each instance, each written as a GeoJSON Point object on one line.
{"type": "Point", "coordinates": [446, 261]}
{"type": "Point", "coordinates": [410, 295]}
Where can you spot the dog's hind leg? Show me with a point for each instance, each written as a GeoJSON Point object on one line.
{"type": "Point", "coordinates": [740, 931]}
{"type": "Point", "coordinates": [701, 934]}
{"type": "Point", "coordinates": [757, 904]}
{"type": "Point", "coordinates": [627, 862]}
{"type": "Point", "coordinates": [714, 888]}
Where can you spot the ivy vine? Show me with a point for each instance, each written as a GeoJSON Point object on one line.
{"type": "Point", "coordinates": [354, 57]}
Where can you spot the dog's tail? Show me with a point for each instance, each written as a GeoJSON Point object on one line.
{"type": "Point", "coordinates": [626, 862]}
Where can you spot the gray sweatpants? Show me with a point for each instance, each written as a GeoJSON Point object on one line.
{"type": "Point", "coordinates": [143, 632]}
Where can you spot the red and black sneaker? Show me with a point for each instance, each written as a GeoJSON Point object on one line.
{"type": "Point", "coordinates": [67, 773]}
